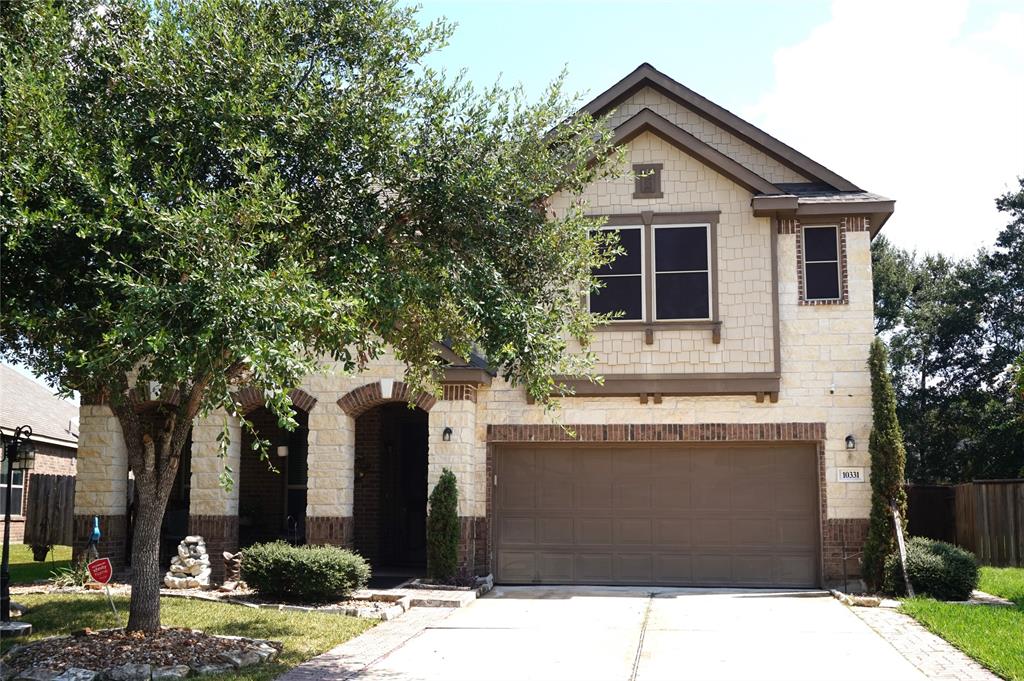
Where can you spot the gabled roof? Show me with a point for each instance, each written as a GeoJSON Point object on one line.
{"type": "Point", "coordinates": [25, 402]}
{"type": "Point", "coordinates": [646, 75]}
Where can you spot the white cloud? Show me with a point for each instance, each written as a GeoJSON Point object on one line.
{"type": "Point", "coordinates": [899, 98]}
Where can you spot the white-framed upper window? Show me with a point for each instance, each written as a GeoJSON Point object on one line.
{"type": "Point", "coordinates": [17, 489]}
{"type": "Point", "coordinates": [677, 274]}
{"type": "Point", "coordinates": [682, 272]}
{"type": "Point", "coordinates": [822, 270]}
{"type": "Point", "coordinates": [623, 289]}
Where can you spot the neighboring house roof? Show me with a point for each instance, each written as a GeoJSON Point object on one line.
{"type": "Point", "coordinates": [25, 402]}
{"type": "Point", "coordinates": [825, 192]}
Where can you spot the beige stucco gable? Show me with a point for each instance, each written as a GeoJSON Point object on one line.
{"type": "Point", "coordinates": [706, 131]}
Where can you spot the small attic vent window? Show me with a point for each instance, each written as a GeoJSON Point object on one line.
{"type": "Point", "coordinates": [648, 181]}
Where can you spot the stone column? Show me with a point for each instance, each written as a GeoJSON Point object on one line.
{"type": "Point", "coordinates": [213, 510]}
{"type": "Point", "coordinates": [101, 486]}
{"type": "Point", "coordinates": [462, 456]}
{"type": "Point", "coordinates": [330, 464]}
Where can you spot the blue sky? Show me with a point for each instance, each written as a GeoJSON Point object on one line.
{"type": "Point", "coordinates": [915, 100]}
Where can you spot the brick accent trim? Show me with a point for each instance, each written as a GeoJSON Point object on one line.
{"type": "Point", "coordinates": [250, 398]}
{"type": "Point", "coordinates": [370, 395]}
{"type": "Point", "coordinates": [851, 223]}
{"type": "Point", "coordinates": [221, 534]}
{"type": "Point", "coordinates": [473, 553]}
{"type": "Point", "coordinates": [838, 533]}
{"type": "Point", "coordinates": [458, 391]}
{"type": "Point", "coordinates": [113, 537]}
{"type": "Point", "coordinates": [658, 432]}
{"type": "Point", "coordinates": [333, 530]}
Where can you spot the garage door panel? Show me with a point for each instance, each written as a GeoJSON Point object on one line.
{"type": "Point", "coordinates": [517, 530]}
{"type": "Point", "coordinates": [594, 568]}
{"type": "Point", "coordinates": [634, 568]}
{"type": "Point", "coordinates": [558, 531]}
{"type": "Point", "coordinates": [517, 566]}
{"type": "Point", "coordinates": [633, 531]}
{"type": "Point", "coordinates": [689, 515]}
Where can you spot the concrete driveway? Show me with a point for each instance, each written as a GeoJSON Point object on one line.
{"type": "Point", "coordinates": [636, 634]}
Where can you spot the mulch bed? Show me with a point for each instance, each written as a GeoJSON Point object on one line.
{"type": "Point", "coordinates": [113, 648]}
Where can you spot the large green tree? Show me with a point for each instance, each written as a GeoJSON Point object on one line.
{"type": "Point", "coordinates": [201, 194]}
{"type": "Point", "coordinates": [954, 328]}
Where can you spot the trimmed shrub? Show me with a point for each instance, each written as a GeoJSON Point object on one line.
{"type": "Point", "coordinates": [443, 529]}
{"type": "Point", "coordinates": [303, 573]}
{"type": "Point", "coordinates": [935, 568]}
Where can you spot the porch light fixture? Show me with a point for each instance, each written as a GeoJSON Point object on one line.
{"type": "Point", "coordinates": [446, 434]}
{"type": "Point", "coordinates": [282, 451]}
{"type": "Point", "coordinates": [19, 454]}
{"type": "Point", "coordinates": [851, 442]}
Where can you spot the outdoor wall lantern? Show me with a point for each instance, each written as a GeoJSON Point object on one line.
{"type": "Point", "coordinates": [851, 442]}
{"type": "Point", "coordinates": [282, 451]}
{"type": "Point", "coordinates": [446, 434]}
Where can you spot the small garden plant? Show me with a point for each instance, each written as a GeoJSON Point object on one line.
{"type": "Point", "coordinates": [443, 529]}
{"type": "Point", "coordinates": [310, 574]}
{"type": "Point", "coordinates": [937, 569]}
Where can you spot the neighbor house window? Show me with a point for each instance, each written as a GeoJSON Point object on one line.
{"type": "Point", "coordinates": [822, 271]}
{"type": "Point", "coordinates": [17, 488]}
{"type": "Point", "coordinates": [682, 272]}
{"type": "Point", "coordinates": [664, 274]}
{"type": "Point", "coordinates": [622, 280]}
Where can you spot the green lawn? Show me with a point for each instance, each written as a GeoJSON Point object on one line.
{"type": "Point", "coordinates": [991, 635]}
{"type": "Point", "coordinates": [304, 635]}
{"type": "Point", "coordinates": [24, 570]}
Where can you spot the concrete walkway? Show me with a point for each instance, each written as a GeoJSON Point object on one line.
{"type": "Point", "coordinates": [621, 634]}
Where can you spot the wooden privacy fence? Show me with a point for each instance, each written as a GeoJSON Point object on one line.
{"type": "Point", "coordinates": [990, 521]}
{"type": "Point", "coordinates": [51, 506]}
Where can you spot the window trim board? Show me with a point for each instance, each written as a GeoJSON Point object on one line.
{"type": "Point", "coordinates": [712, 312]}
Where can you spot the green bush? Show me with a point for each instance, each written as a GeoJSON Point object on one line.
{"type": "Point", "coordinates": [303, 573]}
{"type": "Point", "coordinates": [935, 568]}
{"type": "Point", "coordinates": [443, 529]}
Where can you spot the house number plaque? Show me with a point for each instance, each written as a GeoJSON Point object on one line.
{"type": "Point", "coordinates": [850, 475]}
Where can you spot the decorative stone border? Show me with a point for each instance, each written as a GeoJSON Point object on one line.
{"type": "Point", "coordinates": [399, 604]}
{"type": "Point", "coordinates": [251, 651]}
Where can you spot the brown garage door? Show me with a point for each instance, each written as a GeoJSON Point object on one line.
{"type": "Point", "coordinates": [693, 516]}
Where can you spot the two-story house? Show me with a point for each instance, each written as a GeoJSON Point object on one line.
{"type": "Point", "coordinates": [726, 446]}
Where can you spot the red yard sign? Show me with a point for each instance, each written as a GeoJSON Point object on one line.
{"type": "Point", "coordinates": [101, 570]}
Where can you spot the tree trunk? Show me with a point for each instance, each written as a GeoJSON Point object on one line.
{"type": "Point", "coordinates": [144, 611]}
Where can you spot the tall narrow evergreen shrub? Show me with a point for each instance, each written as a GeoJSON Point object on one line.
{"type": "Point", "coordinates": [443, 529]}
{"type": "Point", "coordinates": [888, 460]}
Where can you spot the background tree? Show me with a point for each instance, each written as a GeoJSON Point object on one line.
{"type": "Point", "coordinates": [888, 460]}
{"type": "Point", "coordinates": [954, 329]}
{"type": "Point", "coordinates": [200, 195]}
{"type": "Point", "coordinates": [443, 528]}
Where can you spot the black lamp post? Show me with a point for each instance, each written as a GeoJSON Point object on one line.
{"type": "Point", "coordinates": [18, 454]}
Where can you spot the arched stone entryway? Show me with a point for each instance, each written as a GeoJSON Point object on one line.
{"type": "Point", "coordinates": [390, 486]}
{"type": "Point", "coordinates": [272, 492]}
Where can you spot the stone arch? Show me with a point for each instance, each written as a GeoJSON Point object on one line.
{"type": "Point", "coordinates": [250, 398]}
{"type": "Point", "coordinates": [370, 395]}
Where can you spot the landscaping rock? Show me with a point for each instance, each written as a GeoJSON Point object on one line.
{"type": "Point", "coordinates": [207, 669]}
{"type": "Point", "coordinates": [178, 671]}
{"type": "Point", "coordinates": [78, 674]}
{"type": "Point", "coordinates": [17, 609]}
{"type": "Point", "coordinates": [37, 674]}
{"type": "Point", "coordinates": [190, 568]}
{"type": "Point", "coordinates": [130, 672]}
{"type": "Point", "coordinates": [242, 658]}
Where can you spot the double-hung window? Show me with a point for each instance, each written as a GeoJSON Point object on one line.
{"type": "Point", "coordinates": [622, 291]}
{"type": "Point", "coordinates": [17, 488]}
{"type": "Point", "coordinates": [682, 272]}
{"type": "Point", "coordinates": [821, 263]}
{"type": "Point", "coordinates": [664, 274]}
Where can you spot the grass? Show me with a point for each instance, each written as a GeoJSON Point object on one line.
{"type": "Point", "coordinates": [992, 635]}
{"type": "Point", "coordinates": [24, 570]}
{"type": "Point", "coordinates": [304, 635]}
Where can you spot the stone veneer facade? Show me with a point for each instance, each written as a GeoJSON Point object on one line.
{"type": "Point", "coordinates": [819, 355]}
